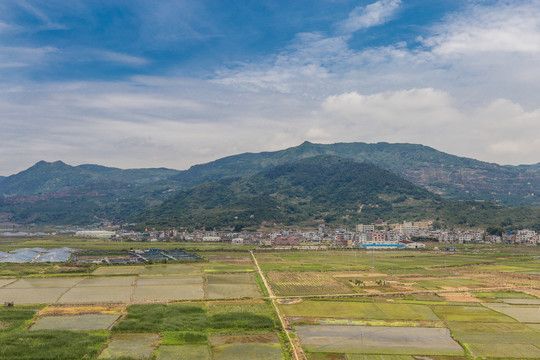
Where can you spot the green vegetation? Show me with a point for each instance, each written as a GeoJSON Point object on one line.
{"type": "Point", "coordinates": [14, 318]}
{"type": "Point", "coordinates": [183, 337]}
{"type": "Point", "coordinates": [158, 318]}
{"type": "Point", "coordinates": [51, 344]}
{"type": "Point", "coordinates": [63, 194]}
{"type": "Point", "coordinates": [241, 321]}
{"type": "Point", "coordinates": [503, 295]}
{"type": "Point", "coordinates": [190, 318]}
{"type": "Point", "coordinates": [360, 310]}
{"type": "Point", "coordinates": [320, 187]}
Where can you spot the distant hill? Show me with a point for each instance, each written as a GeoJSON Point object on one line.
{"type": "Point", "coordinates": [321, 187]}
{"type": "Point", "coordinates": [58, 193]}
{"type": "Point", "coordinates": [47, 177]}
{"type": "Point", "coordinates": [324, 187]}
{"type": "Point", "coordinates": [530, 168]}
{"type": "Point", "coordinates": [450, 176]}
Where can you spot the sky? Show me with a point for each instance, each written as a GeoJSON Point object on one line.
{"type": "Point", "coordinates": [174, 83]}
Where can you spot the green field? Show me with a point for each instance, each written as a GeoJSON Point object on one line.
{"type": "Point", "coordinates": [214, 309]}
{"type": "Point", "coordinates": [360, 310]}
{"type": "Point", "coordinates": [51, 345]}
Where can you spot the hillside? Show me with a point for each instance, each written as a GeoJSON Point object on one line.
{"type": "Point", "coordinates": [324, 187]}
{"type": "Point", "coordinates": [321, 187]}
{"type": "Point", "coordinates": [46, 177]}
{"type": "Point", "coordinates": [57, 193]}
{"type": "Point", "coordinates": [450, 176]}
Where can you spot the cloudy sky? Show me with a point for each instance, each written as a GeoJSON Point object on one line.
{"type": "Point", "coordinates": [137, 83]}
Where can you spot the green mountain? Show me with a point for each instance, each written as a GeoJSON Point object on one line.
{"type": "Point", "coordinates": [337, 190]}
{"type": "Point", "coordinates": [45, 177]}
{"type": "Point", "coordinates": [57, 193]}
{"type": "Point", "coordinates": [321, 187]}
{"type": "Point", "coordinates": [450, 176]}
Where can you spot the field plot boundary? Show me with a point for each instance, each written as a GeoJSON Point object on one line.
{"type": "Point", "coordinates": [378, 340]}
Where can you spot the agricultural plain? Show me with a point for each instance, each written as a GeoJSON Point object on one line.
{"type": "Point", "coordinates": [481, 302]}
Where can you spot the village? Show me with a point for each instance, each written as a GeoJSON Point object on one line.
{"type": "Point", "coordinates": [377, 235]}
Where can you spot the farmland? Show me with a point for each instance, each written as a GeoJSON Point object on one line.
{"type": "Point", "coordinates": [477, 303]}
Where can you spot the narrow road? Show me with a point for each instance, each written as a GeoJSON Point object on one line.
{"type": "Point", "coordinates": [295, 346]}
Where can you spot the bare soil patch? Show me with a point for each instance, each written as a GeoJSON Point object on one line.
{"type": "Point", "coordinates": [244, 339]}
{"type": "Point", "coordinates": [460, 297]}
{"type": "Point", "coordinates": [80, 310]}
{"type": "Point", "coordinates": [366, 274]}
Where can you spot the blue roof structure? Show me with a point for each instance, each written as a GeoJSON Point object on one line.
{"type": "Point", "coordinates": [382, 246]}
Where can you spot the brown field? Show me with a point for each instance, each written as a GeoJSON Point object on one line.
{"type": "Point", "coordinates": [80, 310]}
{"type": "Point", "coordinates": [459, 297]}
{"type": "Point", "coordinates": [305, 283]}
{"type": "Point", "coordinates": [244, 339]}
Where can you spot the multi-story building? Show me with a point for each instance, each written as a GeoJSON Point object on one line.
{"type": "Point", "coordinates": [365, 228]}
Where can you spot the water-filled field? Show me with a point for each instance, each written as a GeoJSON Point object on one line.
{"type": "Point", "coordinates": [163, 282]}
{"type": "Point", "coordinates": [75, 322]}
{"type": "Point", "coordinates": [130, 345]}
{"type": "Point", "coordinates": [175, 352]}
{"type": "Point", "coordinates": [378, 340]}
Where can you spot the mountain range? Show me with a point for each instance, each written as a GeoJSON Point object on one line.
{"type": "Point", "coordinates": [231, 188]}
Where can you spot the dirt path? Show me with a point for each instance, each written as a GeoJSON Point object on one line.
{"type": "Point", "coordinates": [295, 345]}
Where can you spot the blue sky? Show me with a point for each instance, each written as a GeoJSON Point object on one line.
{"type": "Point", "coordinates": [174, 83]}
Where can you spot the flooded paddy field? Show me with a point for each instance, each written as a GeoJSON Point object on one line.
{"type": "Point", "coordinates": [167, 282]}
{"type": "Point", "coordinates": [378, 340]}
{"type": "Point", "coordinates": [75, 322]}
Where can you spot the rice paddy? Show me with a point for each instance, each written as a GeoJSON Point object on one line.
{"type": "Point", "coordinates": [378, 340]}
{"type": "Point", "coordinates": [360, 310]}
{"type": "Point", "coordinates": [75, 322]}
{"type": "Point", "coordinates": [409, 307]}
{"type": "Point", "coordinates": [137, 346]}
{"type": "Point", "coordinates": [175, 352]}
{"type": "Point", "coordinates": [247, 352]}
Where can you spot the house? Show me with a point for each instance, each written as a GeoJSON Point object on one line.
{"type": "Point", "coordinates": [284, 241]}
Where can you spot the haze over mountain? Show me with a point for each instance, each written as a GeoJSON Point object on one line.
{"type": "Point", "coordinates": [62, 194]}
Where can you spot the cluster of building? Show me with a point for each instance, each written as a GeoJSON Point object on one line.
{"type": "Point", "coordinates": [406, 235]}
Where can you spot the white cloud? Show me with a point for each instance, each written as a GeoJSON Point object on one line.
{"type": "Point", "coordinates": [11, 56]}
{"type": "Point", "coordinates": [373, 14]}
{"type": "Point", "coordinates": [414, 105]}
{"type": "Point", "coordinates": [506, 27]}
{"type": "Point", "coordinates": [456, 92]}
{"type": "Point", "coordinates": [46, 22]}
{"type": "Point", "coordinates": [116, 57]}
{"type": "Point", "coordinates": [501, 131]}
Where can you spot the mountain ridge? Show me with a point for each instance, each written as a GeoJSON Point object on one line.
{"type": "Point", "coordinates": [323, 186]}
{"type": "Point", "coordinates": [448, 175]}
